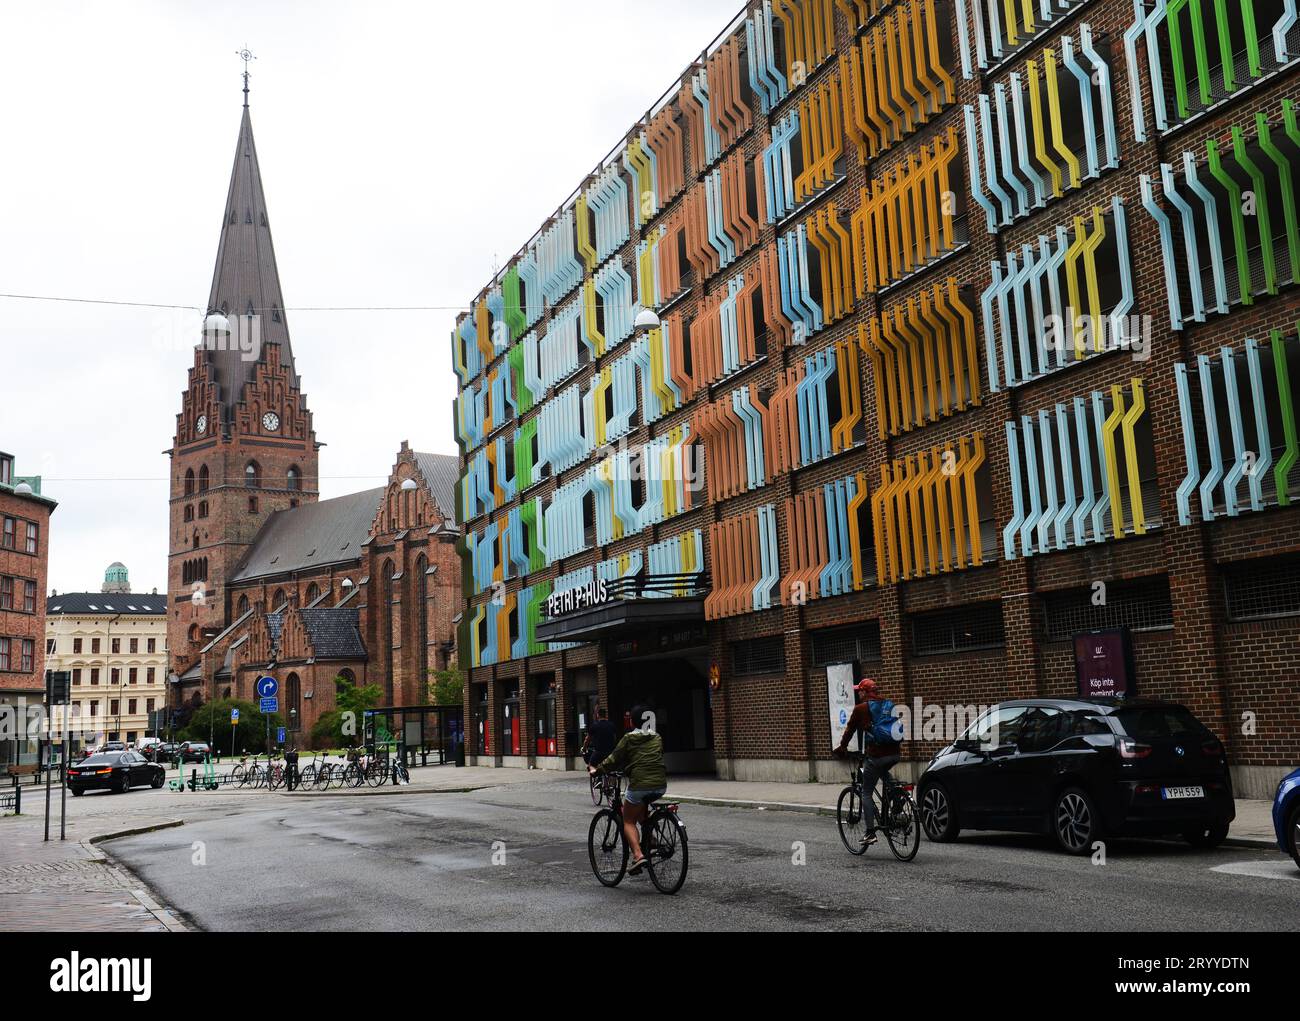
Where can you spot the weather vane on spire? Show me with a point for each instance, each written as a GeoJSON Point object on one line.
{"type": "Point", "coordinates": [246, 55]}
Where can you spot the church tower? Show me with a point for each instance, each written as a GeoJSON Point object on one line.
{"type": "Point", "coordinates": [244, 446]}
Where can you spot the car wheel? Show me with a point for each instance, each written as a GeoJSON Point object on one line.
{"type": "Point", "coordinates": [939, 814]}
{"type": "Point", "coordinates": [1207, 836]}
{"type": "Point", "coordinates": [1075, 822]}
{"type": "Point", "coordinates": [123, 785]}
{"type": "Point", "coordinates": [76, 792]}
{"type": "Point", "coordinates": [1292, 832]}
{"type": "Point", "coordinates": [157, 780]}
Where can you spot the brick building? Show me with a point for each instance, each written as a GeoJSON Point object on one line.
{"type": "Point", "coordinates": [24, 568]}
{"type": "Point", "coordinates": [264, 576]}
{"type": "Point", "coordinates": [975, 336]}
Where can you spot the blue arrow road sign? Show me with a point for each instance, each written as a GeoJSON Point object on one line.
{"type": "Point", "coordinates": [270, 705]}
{"type": "Point", "coordinates": [267, 687]}
{"type": "Point", "coordinates": [279, 736]}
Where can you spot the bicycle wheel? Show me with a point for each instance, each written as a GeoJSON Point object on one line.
{"type": "Point", "coordinates": [606, 847]}
{"type": "Point", "coordinates": [852, 822]}
{"type": "Point", "coordinates": [597, 789]}
{"type": "Point", "coordinates": [403, 774]}
{"type": "Point", "coordinates": [376, 774]}
{"type": "Point", "coordinates": [667, 857]}
{"type": "Point", "coordinates": [338, 775]}
{"type": "Point", "coordinates": [307, 778]}
{"type": "Point", "coordinates": [239, 776]}
{"type": "Point", "coordinates": [903, 830]}
{"type": "Point", "coordinates": [274, 778]}
{"type": "Point", "coordinates": [354, 775]}
{"type": "Point", "coordinates": [323, 777]}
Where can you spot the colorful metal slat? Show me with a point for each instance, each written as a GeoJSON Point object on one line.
{"type": "Point", "coordinates": [1044, 308]}
{"type": "Point", "coordinates": [809, 33]}
{"type": "Point", "coordinates": [765, 78]}
{"type": "Point", "coordinates": [1004, 26]}
{"type": "Point", "coordinates": [906, 220]}
{"type": "Point", "coordinates": [746, 568]}
{"type": "Point", "coordinates": [926, 514]}
{"type": "Point", "coordinates": [894, 79]}
{"type": "Point", "coordinates": [1216, 387]}
{"type": "Point", "coordinates": [1192, 83]}
{"type": "Point", "coordinates": [1012, 188]}
{"type": "Point", "coordinates": [1049, 451]}
{"type": "Point", "coordinates": [923, 357]}
{"type": "Point", "coordinates": [1204, 272]}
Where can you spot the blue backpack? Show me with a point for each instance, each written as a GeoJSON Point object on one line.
{"type": "Point", "coordinates": [886, 727]}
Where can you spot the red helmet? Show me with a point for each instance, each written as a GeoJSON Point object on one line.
{"type": "Point", "coordinates": [867, 686]}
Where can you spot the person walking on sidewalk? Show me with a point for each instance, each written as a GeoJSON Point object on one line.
{"type": "Point", "coordinates": [639, 756]}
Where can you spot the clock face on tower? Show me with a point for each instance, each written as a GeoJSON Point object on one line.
{"type": "Point", "coordinates": [270, 421]}
{"type": "Point", "coordinates": [201, 426]}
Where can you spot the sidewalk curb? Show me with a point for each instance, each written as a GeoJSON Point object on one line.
{"type": "Point", "coordinates": [761, 806]}
{"type": "Point", "coordinates": [169, 921]}
{"type": "Point", "coordinates": [1253, 843]}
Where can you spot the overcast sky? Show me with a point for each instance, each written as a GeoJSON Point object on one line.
{"type": "Point", "coordinates": [405, 148]}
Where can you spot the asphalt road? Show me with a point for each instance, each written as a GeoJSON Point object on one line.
{"type": "Point", "coordinates": [514, 857]}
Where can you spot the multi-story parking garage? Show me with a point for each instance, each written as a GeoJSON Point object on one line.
{"type": "Point", "coordinates": [974, 334]}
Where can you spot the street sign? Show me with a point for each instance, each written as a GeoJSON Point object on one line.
{"type": "Point", "coordinates": [58, 686]}
{"type": "Point", "coordinates": [270, 705]}
{"type": "Point", "coordinates": [279, 736]}
{"type": "Point", "coordinates": [234, 717]}
{"type": "Point", "coordinates": [267, 687]}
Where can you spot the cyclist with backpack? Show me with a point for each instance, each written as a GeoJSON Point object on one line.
{"type": "Point", "coordinates": [873, 718]}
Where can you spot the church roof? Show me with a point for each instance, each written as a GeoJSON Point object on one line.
{"type": "Point", "coordinates": [246, 279]}
{"type": "Point", "coordinates": [442, 472]}
{"type": "Point", "coordinates": [313, 535]}
{"type": "Point", "coordinates": [335, 633]}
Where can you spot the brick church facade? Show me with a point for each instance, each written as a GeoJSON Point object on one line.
{"type": "Point", "coordinates": [263, 575]}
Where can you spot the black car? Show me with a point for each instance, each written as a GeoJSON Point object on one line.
{"type": "Point", "coordinates": [163, 752]}
{"type": "Point", "coordinates": [193, 751]}
{"type": "Point", "coordinates": [114, 771]}
{"type": "Point", "coordinates": [1081, 770]}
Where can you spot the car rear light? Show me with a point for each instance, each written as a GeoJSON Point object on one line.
{"type": "Point", "coordinates": [1212, 747]}
{"type": "Point", "coordinates": [101, 772]}
{"type": "Point", "coordinates": [1146, 788]}
{"type": "Point", "coordinates": [909, 787]}
{"type": "Point", "coordinates": [1130, 749]}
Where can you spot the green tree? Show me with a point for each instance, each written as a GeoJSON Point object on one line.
{"type": "Point", "coordinates": [211, 721]}
{"type": "Point", "coordinates": [447, 687]}
{"type": "Point", "coordinates": [344, 726]}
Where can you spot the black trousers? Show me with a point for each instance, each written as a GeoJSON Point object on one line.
{"type": "Point", "coordinates": [872, 770]}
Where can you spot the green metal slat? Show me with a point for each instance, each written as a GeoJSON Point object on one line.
{"type": "Point", "coordinates": [1252, 38]}
{"type": "Point", "coordinates": [1287, 189]}
{"type": "Point", "coordinates": [1176, 58]}
{"type": "Point", "coordinates": [1282, 473]}
{"type": "Point", "coordinates": [1225, 44]}
{"type": "Point", "coordinates": [1238, 220]}
{"type": "Point", "coordinates": [1261, 207]}
{"type": "Point", "coordinates": [1202, 57]}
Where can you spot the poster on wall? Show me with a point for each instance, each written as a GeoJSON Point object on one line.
{"type": "Point", "coordinates": [840, 678]}
{"type": "Point", "coordinates": [1103, 664]}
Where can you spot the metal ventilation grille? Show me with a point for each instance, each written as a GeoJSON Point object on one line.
{"type": "Point", "coordinates": [1141, 605]}
{"type": "Point", "coordinates": [1263, 589]}
{"type": "Point", "coordinates": [758, 656]}
{"type": "Point", "coordinates": [840, 645]}
{"type": "Point", "coordinates": [960, 630]}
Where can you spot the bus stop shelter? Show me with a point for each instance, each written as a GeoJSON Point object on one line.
{"type": "Point", "coordinates": [429, 733]}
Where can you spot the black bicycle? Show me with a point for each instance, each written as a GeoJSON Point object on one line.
{"type": "Point", "coordinates": [663, 842]}
{"type": "Point", "coordinates": [896, 815]}
{"type": "Point", "coordinates": [602, 788]}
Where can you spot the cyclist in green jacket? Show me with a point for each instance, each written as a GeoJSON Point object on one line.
{"type": "Point", "coordinates": [640, 757]}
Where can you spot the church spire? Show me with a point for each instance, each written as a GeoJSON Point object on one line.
{"type": "Point", "coordinates": [246, 281]}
